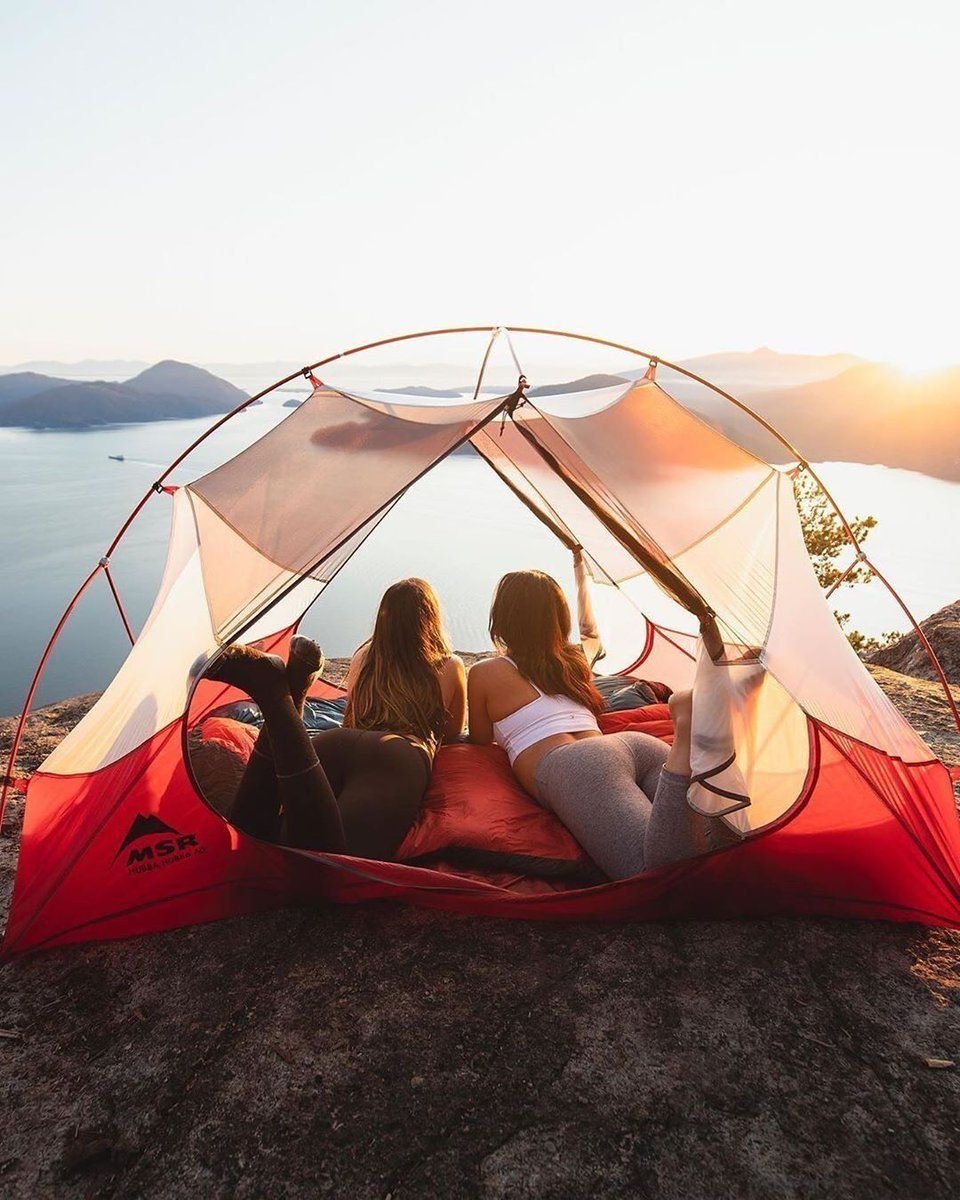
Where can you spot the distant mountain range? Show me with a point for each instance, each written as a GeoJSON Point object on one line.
{"type": "Point", "coordinates": [832, 406]}
{"type": "Point", "coordinates": [757, 370]}
{"type": "Point", "coordinates": [870, 413]}
{"type": "Point", "coordinates": [166, 391]}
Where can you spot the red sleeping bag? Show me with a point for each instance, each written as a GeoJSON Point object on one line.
{"type": "Point", "coordinates": [475, 815]}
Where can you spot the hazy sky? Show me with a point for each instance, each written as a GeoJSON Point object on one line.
{"type": "Point", "coordinates": [228, 180]}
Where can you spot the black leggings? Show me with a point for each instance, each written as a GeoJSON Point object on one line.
{"type": "Point", "coordinates": [348, 791]}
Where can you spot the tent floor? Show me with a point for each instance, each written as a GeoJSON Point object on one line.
{"type": "Point", "coordinates": [386, 1050]}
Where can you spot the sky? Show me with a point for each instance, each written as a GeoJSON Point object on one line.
{"type": "Point", "coordinates": [222, 180]}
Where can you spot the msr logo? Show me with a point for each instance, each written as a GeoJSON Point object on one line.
{"type": "Point", "coordinates": [153, 844]}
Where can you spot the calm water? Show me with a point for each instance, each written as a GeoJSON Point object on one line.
{"type": "Point", "coordinates": [63, 499]}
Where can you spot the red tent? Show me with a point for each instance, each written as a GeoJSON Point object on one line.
{"type": "Point", "coordinates": [840, 806]}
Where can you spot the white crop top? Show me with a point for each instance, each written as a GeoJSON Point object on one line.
{"type": "Point", "coordinates": [541, 718]}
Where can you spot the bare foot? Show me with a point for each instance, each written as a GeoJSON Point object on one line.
{"type": "Point", "coordinates": [262, 676]}
{"type": "Point", "coordinates": [681, 713]}
{"type": "Point", "coordinates": [681, 710]}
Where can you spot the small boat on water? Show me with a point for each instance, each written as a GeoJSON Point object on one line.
{"type": "Point", "coordinates": [117, 457]}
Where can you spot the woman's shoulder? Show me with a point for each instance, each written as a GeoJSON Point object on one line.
{"type": "Point", "coordinates": [492, 667]}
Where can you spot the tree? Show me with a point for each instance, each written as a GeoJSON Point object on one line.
{"type": "Point", "coordinates": [830, 550]}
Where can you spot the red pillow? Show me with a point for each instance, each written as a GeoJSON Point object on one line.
{"type": "Point", "coordinates": [237, 736]}
{"type": "Point", "coordinates": [475, 809]}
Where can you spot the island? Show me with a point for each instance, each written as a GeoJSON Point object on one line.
{"type": "Point", "coordinates": [167, 391]}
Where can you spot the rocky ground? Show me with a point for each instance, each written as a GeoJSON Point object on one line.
{"type": "Point", "coordinates": [908, 656]}
{"type": "Point", "coordinates": [387, 1052]}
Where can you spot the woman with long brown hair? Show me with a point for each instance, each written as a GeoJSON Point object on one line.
{"type": "Point", "coordinates": [623, 795]}
{"type": "Point", "coordinates": [355, 790]}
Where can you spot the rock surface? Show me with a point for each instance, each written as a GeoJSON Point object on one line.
{"type": "Point", "coordinates": [386, 1052]}
{"type": "Point", "coordinates": [942, 631]}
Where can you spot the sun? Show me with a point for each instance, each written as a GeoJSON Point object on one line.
{"type": "Point", "coordinates": [919, 362]}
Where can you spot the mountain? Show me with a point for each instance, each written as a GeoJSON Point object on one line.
{"type": "Point", "coordinates": [87, 368]}
{"type": "Point", "coordinates": [169, 378]}
{"type": "Point", "coordinates": [741, 371]}
{"type": "Point", "coordinates": [21, 384]}
{"type": "Point", "coordinates": [871, 413]}
{"type": "Point", "coordinates": [167, 391]}
{"type": "Point", "coordinates": [583, 384]}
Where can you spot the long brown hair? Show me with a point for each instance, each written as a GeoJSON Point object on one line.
{"type": "Point", "coordinates": [398, 685]}
{"type": "Point", "coordinates": [530, 619]}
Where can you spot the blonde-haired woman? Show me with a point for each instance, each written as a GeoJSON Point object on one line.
{"type": "Point", "coordinates": [355, 790]}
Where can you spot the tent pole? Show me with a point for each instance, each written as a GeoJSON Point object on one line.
{"type": "Point", "coordinates": [155, 489]}
{"type": "Point", "coordinates": [491, 329]}
{"type": "Point", "coordinates": [302, 574]}
{"type": "Point", "coordinates": [924, 642]}
{"type": "Point", "coordinates": [788, 445]}
{"type": "Point", "coordinates": [116, 595]}
{"type": "Point", "coordinates": [35, 683]}
{"type": "Point", "coordinates": [483, 365]}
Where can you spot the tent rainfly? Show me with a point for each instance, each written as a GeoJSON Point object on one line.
{"type": "Point", "coordinates": [841, 807]}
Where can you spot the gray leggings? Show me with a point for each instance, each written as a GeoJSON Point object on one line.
{"type": "Point", "coordinates": [601, 789]}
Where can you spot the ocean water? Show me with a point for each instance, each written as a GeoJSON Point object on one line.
{"type": "Point", "coordinates": [62, 498]}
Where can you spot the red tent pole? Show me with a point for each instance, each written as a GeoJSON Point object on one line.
{"type": "Point", "coordinates": [155, 489]}
{"type": "Point", "coordinates": [105, 563]}
{"type": "Point", "coordinates": [788, 445]}
{"type": "Point", "coordinates": [931, 654]}
{"type": "Point", "coordinates": [491, 329]}
{"type": "Point", "coordinates": [35, 683]}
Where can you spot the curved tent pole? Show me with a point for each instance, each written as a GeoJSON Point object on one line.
{"type": "Point", "coordinates": [35, 683]}
{"type": "Point", "coordinates": [745, 408]}
{"type": "Point", "coordinates": [266, 392]}
{"type": "Point", "coordinates": [406, 337]}
{"type": "Point", "coordinates": [155, 489]}
{"type": "Point", "coordinates": [788, 445]}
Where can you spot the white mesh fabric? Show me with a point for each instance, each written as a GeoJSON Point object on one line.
{"type": "Point", "coordinates": [150, 690]}
{"type": "Point", "coordinates": [810, 655]}
{"type": "Point", "coordinates": [519, 461]}
{"type": "Point", "coordinates": [314, 480]}
{"type": "Point", "coordinates": [651, 460]}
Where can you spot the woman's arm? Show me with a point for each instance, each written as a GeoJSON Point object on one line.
{"type": "Point", "coordinates": [481, 727]}
{"type": "Point", "coordinates": [453, 688]}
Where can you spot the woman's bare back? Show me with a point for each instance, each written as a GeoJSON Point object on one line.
{"type": "Point", "coordinates": [497, 690]}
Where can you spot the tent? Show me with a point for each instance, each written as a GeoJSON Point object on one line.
{"type": "Point", "coordinates": [840, 806]}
